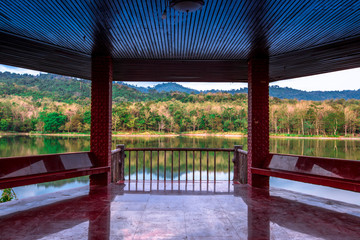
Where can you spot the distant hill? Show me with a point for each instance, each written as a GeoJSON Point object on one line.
{"type": "Point", "coordinates": [65, 89]}
{"type": "Point", "coordinates": [174, 87]}
{"type": "Point", "coordinates": [69, 89]}
{"type": "Point", "coordinates": [275, 91]}
{"type": "Point", "coordinates": [290, 93]}
{"type": "Point", "coordinates": [164, 87]}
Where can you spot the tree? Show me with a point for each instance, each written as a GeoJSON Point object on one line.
{"type": "Point", "coordinates": [302, 108]}
{"type": "Point", "coordinates": [87, 117]}
{"type": "Point", "coordinates": [4, 125]}
{"type": "Point", "coordinates": [350, 118]}
{"type": "Point", "coordinates": [228, 126]}
{"type": "Point", "coordinates": [53, 121]}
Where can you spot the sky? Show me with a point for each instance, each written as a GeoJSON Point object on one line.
{"type": "Point", "coordinates": [340, 80]}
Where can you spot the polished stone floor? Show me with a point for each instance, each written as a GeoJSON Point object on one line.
{"type": "Point", "coordinates": [159, 210]}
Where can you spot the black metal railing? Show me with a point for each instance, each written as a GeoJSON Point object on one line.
{"type": "Point", "coordinates": [166, 163]}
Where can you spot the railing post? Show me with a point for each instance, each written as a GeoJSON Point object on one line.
{"type": "Point", "coordinates": [114, 166]}
{"type": "Point", "coordinates": [121, 161]}
{"type": "Point", "coordinates": [243, 166]}
{"type": "Point", "coordinates": [236, 161]}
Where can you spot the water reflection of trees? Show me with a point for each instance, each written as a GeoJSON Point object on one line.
{"type": "Point", "coordinates": [344, 149]}
{"type": "Point", "coordinates": [172, 162]}
{"type": "Point", "coordinates": [34, 145]}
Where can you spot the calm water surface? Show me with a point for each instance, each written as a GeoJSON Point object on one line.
{"type": "Point", "coordinates": [34, 145]}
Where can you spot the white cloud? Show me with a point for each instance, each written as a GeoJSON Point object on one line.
{"type": "Point", "coordinates": [212, 85]}
{"type": "Point", "coordinates": [196, 85]}
{"type": "Point", "coordinates": [143, 84]}
{"type": "Point", "coordinates": [340, 80]}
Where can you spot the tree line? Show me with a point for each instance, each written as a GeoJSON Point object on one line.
{"type": "Point", "coordinates": [181, 112]}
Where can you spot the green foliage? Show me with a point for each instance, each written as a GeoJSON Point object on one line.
{"type": "Point", "coordinates": [65, 89]}
{"type": "Point", "coordinates": [55, 104]}
{"type": "Point", "coordinates": [53, 121]}
{"type": "Point", "coordinates": [87, 117]}
{"type": "Point", "coordinates": [4, 125]}
{"type": "Point", "coordinates": [7, 195]}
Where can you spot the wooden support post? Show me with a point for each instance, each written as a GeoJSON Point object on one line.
{"type": "Point", "coordinates": [243, 167]}
{"type": "Point", "coordinates": [236, 161]}
{"type": "Point", "coordinates": [258, 118]}
{"type": "Point", "coordinates": [121, 162]}
{"type": "Point", "coordinates": [240, 165]}
{"type": "Point", "coordinates": [100, 140]}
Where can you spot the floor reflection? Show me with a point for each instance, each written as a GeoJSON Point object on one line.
{"type": "Point", "coordinates": [178, 210]}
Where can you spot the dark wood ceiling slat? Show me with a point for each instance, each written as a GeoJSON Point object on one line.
{"type": "Point", "coordinates": [141, 33]}
{"type": "Point", "coordinates": [294, 31]}
{"type": "Point", "coordinates": [236, 16]}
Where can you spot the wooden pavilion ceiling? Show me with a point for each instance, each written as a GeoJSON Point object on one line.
{"type": "Point", "coordinates": [302, 37]}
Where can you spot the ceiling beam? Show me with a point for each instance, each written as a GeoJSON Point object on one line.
{"type": "Point", "coordinates": [27, 53]}
{"type": "Point", "coordinates": [332, 57]}
{"type": "Point", "coordinates": [180, 71]}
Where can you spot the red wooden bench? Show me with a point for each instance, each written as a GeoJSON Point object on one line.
{"type": "Point", "coordinates": [19, 171]}
{"type": "Point", "coordinates": [337, 173]}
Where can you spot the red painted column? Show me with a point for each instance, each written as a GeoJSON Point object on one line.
{"type": "Point", "coordinates": [101, 91]}
{"type": "Point", "coordinates": [258, 118]}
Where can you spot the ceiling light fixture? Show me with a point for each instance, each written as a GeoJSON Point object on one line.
{"type": "Point", "coordinates": [187, 5]}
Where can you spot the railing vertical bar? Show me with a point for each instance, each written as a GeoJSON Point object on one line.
{"type": "Point", "coordinates": [137, 160]}
{"type": "Point", "coordinates": [186, 164]}
{"type": "Point", "coordinates": [158, 164]}
{"type": "Point", "coordinates": [200, 167]}
{"type": "Point", "coordinates": [193, 165]}
{"type": "Point", "coordinates": [179, 168]}
{"type": "Point", "coordinates": [165, 165]}
{"type": "Point", "coordinates": [214, 166]}
{"type": "Point", "coordinates": [172, 165]}
{"type": "Point", "coordinates": [229, 166]}
{"type": "Point", "coordinates": [129, 165]}
{"type": "Point", "coordinates": [207, 165]}
{"type": "Point", "coordinates": [143, 165]}
{"type": "Point", "coordinates": [151, 153]}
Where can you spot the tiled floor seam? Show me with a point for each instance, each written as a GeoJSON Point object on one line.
{"type": "Point", "coordinates": [142, 215]}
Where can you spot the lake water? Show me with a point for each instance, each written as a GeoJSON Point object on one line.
{"type": "Point", "coordinates": [34, 145]}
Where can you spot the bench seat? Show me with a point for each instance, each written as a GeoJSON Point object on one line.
{"type": "Point", "coordinates": [19, 171]}
{"type": "Point", "coordinates": [337, 173]}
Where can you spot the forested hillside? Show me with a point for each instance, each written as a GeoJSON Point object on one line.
{"type": "Point", "coordinates": [64, 89]}
{"type": "Point", "coordinates": [51, 104]}
{"type": "Point", "coordinates": [67, 89]}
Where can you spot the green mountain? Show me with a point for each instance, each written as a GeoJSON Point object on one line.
{"type": "Point", "coordinates": [68, 89]}
{"type": "Point", "coordinates": [174, 87]}
{"type": "Point", "coordinates": [65, 89]}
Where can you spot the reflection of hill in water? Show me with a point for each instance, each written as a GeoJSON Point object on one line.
{"type": "Point", "coordinates": [172, 161]}
{"type": "Point", "coordinates": [60, 183]}
{"type": "Point", "coordinates": [15, 145]}
{"type": "Point", "coordinates": [12, 145]}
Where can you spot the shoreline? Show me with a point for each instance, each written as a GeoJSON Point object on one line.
{"type": "Point", "coordinates": [176, 135]}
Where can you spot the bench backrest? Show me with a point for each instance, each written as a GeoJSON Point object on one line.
{"type": "Point", "coordinates": [31, 165]}
{"type": "Point", "coordinates": [329, 167]}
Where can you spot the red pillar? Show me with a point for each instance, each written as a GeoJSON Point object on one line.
{"type": "Point", "coordinates": [258, 118]}
{"type": "Point", "coordinates": [101, 91]}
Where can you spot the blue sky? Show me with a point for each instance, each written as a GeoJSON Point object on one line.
{"type": "Point", "coordinates": [340, 80]}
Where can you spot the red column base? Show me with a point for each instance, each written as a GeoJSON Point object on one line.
{"type": "Point", "coordinates": [260, 181]}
